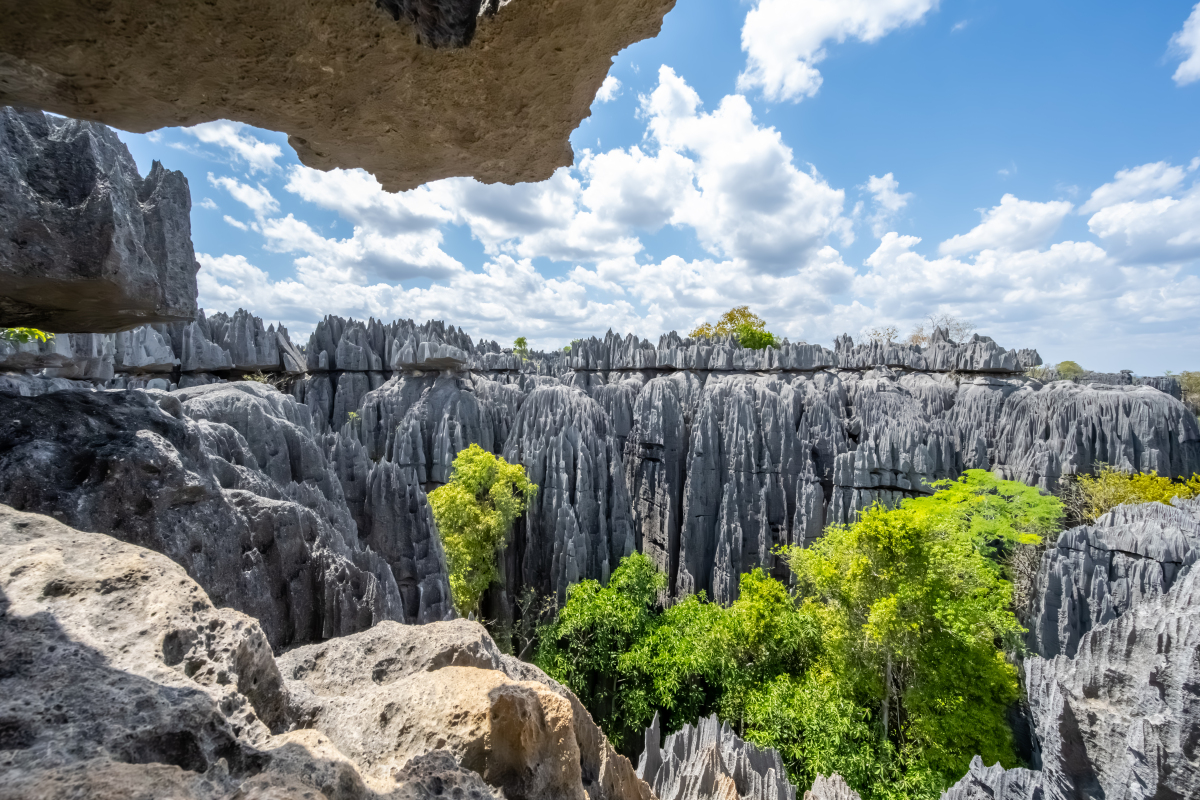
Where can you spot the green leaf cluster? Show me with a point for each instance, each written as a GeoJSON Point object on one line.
{"type": "Point", "coordinates": [474, 513]}
{"type": "Point", "coordinates": [887, 661]}
{"type": "Point", "coordinates": [25, 335]}
{"type": "Point", "coordinates": [1069, 370]}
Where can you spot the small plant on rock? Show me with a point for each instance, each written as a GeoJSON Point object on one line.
{"type": "Point", "coordinates": [748, 328]}
{"type": "Point", "coordinates": [521, 348]}
{"type": "Point", "coordinates": [1069, 370]}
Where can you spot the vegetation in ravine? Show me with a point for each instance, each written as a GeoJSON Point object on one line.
{"type": "Point", "coordinates": [748, 328]}
{"type": "Point", "coordinates": [888, 661]}
{"type": "Point", "coordinates": [1087, 497]}
{"type": "Point", "coordinates": [474, 513]}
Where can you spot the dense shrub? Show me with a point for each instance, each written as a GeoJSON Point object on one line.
{"type": "Point", "coordinates": [1069, 370]}
{"type": "Point", "coordinates": [886, 662]}
{"type": "Point", "coordinates": [474, 512]}
{"type": "Point", "coordinates": [1089, 496]}
{"type": "Point", "coordinates": [521, 348]}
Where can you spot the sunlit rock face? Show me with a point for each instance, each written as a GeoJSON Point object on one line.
{"type": "Point", "coordinates": [410, 90]}
{"type": "Point", "coordinates": [88, 245]}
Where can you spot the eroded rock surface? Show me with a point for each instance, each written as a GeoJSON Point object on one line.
{"type": "Point", "coordinates": [232, 482]}
{"type": "Point", "coordinates": [87, 244]}
{"type": "Point", "coordinates": [831, 787]}
{"type": "Point", "coordinates": [1093, 574]}
{"type": "Point", "coordinates": [396, 692]}
{"type": "Point", "coordinates": [709, 760]}
{"type": "Point", "coordinates": [350, 85]}
{"type": "Point", "coordinates": [121, 679]}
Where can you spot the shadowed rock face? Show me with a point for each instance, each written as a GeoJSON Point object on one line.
{"type": "Point", "coordinates": [430, 96]}
{"type": "Point", "coordinates": [86, 244]}
{"type": "Point", "coordinates": [232, 482]}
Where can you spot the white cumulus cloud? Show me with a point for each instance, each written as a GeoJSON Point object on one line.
{"type": "Point", "coordinates": [257, 198]}
{"type": "Point", "coordinates": [888, 200]}
{"type": "Point", "coordinates": [1186, 43]}
{"type": "Point", "coordinates": [784, 40]}
{"type": "Point", "coordinates": [1013, 225]}
{"type": "Point", "coordinates": [608, 90]}
{"type": "Point", "coordinates": [1138, 183]}
{"type": "Point", "coordinates": [258, 155]}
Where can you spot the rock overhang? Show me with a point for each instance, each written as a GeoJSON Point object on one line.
{"type": "Point", "coordinates": [441, 92]}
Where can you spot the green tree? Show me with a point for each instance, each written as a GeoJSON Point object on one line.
{"type": "Point", "coordinates": [1069, 370]}
{"type": "Point", "coordinates": [583, 647]}
{"type": "Point", "coordinates": [474, 512]}
{"type": "Point", "coordinates": [521, 348]}
{"type": "Point", "coordinates": [1189, 384]}
{"type": "Point", "coordinates": [25, 335]}
{"type": "Point", "coordinates": [741, 323]}
{"type": "Point", "coordinates": [913, 602]}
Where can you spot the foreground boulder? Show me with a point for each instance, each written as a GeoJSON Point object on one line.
{"type": "Point", "coordinates": [396, 692]}
{"type": "Point", "coordinates": [120, 679]}
{"type": "Point", "coordinates": [353, 83]}
{"type": "Point", "coordinates": [86, 244]}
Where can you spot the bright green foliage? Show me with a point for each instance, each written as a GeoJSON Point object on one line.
{"type": "Point", "coordinates": [755, 339]}
{"type": "Point", "coordinates": [906, 610]}
{"type": "Point", "coordinates": [474, 513]}
{"type": "Point", "coordinates": [25, 335]}
{"type": "Point", "coordinates": [1090, 496]}
{"type": "Point", "coordinates": [749, 328]}
{"type": "Point", "coordinates": [1069, 370]}
{"type": "Point", "coordinates": [521, 348]}
{"type": "Point", "coordinates": [1189, 384]}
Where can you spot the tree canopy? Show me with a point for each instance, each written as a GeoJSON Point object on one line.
{"type": "Point", "coordinates": [474, 513]}
{"type": "Point", "coordinates": [25, 335]}
{"type": "Point", "coordinates": [740, 322]}
{"type": "Point", "coordinates": [886, 662]}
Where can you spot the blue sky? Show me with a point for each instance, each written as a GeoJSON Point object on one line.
{"type": "Point", "coordinates": [837, 165]}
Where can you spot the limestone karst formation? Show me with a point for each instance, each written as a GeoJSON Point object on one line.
{"type": "Point", "coordinates": [410, 90]}
{"type": "Point", "coordinates": [212, 586]}
{"type": "Point", "coordinates": [87, 244]}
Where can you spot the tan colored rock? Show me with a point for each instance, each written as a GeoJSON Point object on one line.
{"type": "Point", "coordinates": [350, 86]}
{"type": "Point", "coordinates": [397, 692]}
{"type": "Point", "coordinates": [120, 679]}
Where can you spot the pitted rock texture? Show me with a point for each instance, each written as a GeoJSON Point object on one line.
{"type": "Point", "coordinates": [122, 680]}
{"type": "Point", "coordinates": [232, 482]}
{"type": "Point", "coordinates": [709, 760]}
{"type": "Point", "coordinates": [348, 84]}
{"type": "Point", "coordinates": [395, 693]}
{"type": "Point", "coordinates": [1093, 574]}
{"type": "Point", "coordinates": [86, 244]}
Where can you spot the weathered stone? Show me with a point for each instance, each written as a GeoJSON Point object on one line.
{"type": "Point", "coordinates": [395, 692]}
{"type": "Point", "coordinates": [830, 788]}
{"type": "Point", "coordinates": [1094, 574]}
{"type": "Point", "coordinates": [709, 760]}
{"type": "Point", "coordinates": [243, 498]}
{"type": "Point", "coordinates": [122, 680]}
{"type": "Point", "coordinates": [86, 244]}
{"type": "Point", "coordinates": [995, 783]}
{"type": "Point", "coordinates": [350, 86]}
